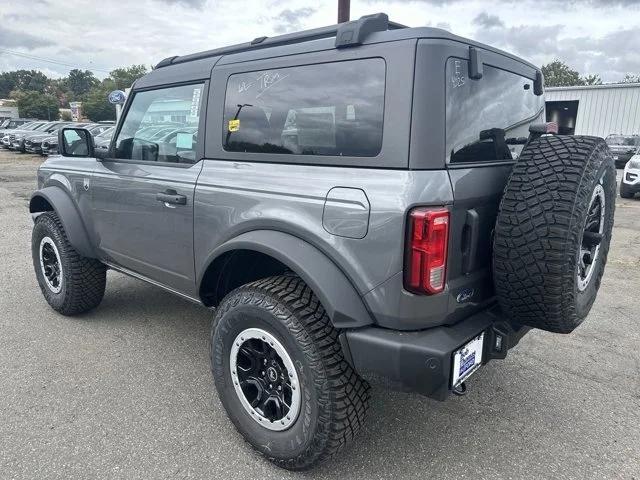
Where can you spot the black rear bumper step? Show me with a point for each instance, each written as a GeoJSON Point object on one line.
{"type": "Point", "coordinates": [422, 361]}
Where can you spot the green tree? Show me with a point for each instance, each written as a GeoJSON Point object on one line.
{"type": "Point", "coordinates": [36, 105]}
{"type": "Point", "coordinates": [7, 83]}
{"type": "Point", "coordinates": [80, 82]}
{"type": "Point", "coordinates": [22, 80]}
{"type": "Point", "coordinates": [96, 106]}
{"type": "Point", "coordinates": [630, 78]}
{"type": "Point", "coordinates": [123, 77]}
{"type": "Point", "coordinates": [60, 89]}
{"type": "Point", "coordinates": [31, 80]}
{"type": "Point", "coordinates": [559, 74]}
{"type": "Point", "coordinates": [592, 79]}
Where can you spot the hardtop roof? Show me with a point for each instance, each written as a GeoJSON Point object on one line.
{"type": "Point", "coordinates": [200, 64]}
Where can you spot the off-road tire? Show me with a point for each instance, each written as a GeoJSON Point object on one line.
{"type": "Point", "coordinates": [539, 229]}
{"type": "Point", "coordinates": [625, 191]}
{"type": "Point", "coordinates": [334, 398]}
{"type": "Point", "coordinates": [83, 280]}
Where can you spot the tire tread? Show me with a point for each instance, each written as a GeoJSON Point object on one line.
{"type": "Point", "coordinates": [85, 278]}
{"type": "Point", "coordinates": [539, 221]}
{"type": "Point", "coordinates": [347, 400]}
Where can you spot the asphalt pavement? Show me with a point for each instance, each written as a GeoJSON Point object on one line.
{"type": "Point", "coordinates": [125, 391]}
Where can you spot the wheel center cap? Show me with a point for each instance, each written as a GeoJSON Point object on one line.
{"type": "Point", "coordinates": [272, 375]}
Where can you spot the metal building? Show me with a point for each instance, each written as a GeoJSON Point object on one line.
{"type": "Point", "coordinates": [596, 109]}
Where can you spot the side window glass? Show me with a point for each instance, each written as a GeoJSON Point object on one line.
{"type": "Point", "coordinates": [323, 109]}
{"type": "Point", "coordinates": [162, 125]}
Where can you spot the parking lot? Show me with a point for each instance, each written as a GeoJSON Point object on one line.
{"type": "Point", "coordinates": [126, 392]}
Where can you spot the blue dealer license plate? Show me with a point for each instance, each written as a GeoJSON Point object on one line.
{"type": "Point", "coordinates": [467, 360]}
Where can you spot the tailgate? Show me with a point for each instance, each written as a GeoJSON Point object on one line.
{"type": "Point", "coordinates": [487, 125]}
{"type": "Point", "coordinates": [477, 193]}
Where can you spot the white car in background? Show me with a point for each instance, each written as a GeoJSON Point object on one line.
{"type": "Point", "coordinates": [630, 184]}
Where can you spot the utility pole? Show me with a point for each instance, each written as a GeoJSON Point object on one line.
{"type": "Point", "coordinates": [343, 10]}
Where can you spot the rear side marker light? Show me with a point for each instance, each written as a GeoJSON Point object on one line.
{"type": "Point", "coordinates": [426, 254]}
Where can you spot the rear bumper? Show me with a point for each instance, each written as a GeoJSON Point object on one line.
{"type": "Point", "coordinates": [422, 361]}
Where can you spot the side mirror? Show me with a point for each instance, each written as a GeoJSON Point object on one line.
{"type": "Point", "coordinates": [75, 142]}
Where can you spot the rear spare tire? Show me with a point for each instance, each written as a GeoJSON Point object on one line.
{"type": "Point", "coordinates": [553, 231]}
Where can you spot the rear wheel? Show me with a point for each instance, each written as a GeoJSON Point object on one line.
{"type": "Point", "coordinates": [553, 231]}
{"type": "Point", "coordinates": [280, 373]}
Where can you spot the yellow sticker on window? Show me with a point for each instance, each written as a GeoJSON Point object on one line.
{"type": "Point", "coordinates": [234, 125]}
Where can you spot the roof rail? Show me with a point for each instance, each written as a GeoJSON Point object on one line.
{"type": "Point", "coordinates": [347, 34]}
{"type": "Point", "coordinates": [354, 33]}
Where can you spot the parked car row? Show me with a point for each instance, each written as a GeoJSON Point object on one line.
{"type": "Point", "coordinates": [626, 154]}
{"type": "Point", "coordinates": [12, 123]}
{"type": "Point", "coordinates": [41, 137]}
{"type": "Point", "coordinates": [630, 184]}
{"type": "Point", "coordinates": [623, 147]}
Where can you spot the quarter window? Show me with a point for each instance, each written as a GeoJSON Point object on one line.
{"type": "Point", "coordinates": [162, 125]}
{"type": "Point", "coordinates": [324, 109]}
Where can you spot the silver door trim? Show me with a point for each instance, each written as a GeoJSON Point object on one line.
{"type": "Point", "coordinates": [139, 276]}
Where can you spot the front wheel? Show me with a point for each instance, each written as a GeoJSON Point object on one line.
{"type": "Point", "coordinates": [280, 373]}
{"type": "Point", "coordinates": [70, 283]}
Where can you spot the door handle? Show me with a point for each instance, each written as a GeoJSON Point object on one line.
{"type": "Point", "coordinates": [172, 197]}
{"type": "Point", "coordinates": [471, 234]}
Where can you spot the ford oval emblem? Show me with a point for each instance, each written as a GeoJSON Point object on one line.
{"type": "Point", "coordinates": [117, 96]}
{"type": "Point", "coordinates": [465, 295]}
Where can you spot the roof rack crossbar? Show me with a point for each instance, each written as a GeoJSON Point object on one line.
{"type": "Point", "coordinates": [361, 28]}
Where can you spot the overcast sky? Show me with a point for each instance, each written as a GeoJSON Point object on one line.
{"type": "Point", "coordinates": [592, 36]}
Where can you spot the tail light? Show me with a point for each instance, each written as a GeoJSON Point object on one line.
{"type": "Point", "coordinates": [426, 250]}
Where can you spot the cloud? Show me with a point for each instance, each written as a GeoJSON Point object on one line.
{"type": "Point", "coordinates": [432, 2]}
{"type": "Point", "coordinates": [605, 3]}
{"type": "Point", "coordinates": [593, 36]}
{"type": "Point", "coordinates": [524, 40]}
{"type": "Point", "coordinates": [291, 20]}
{"type": "Point", "coordinates": [487, 20]}
{"type": "Point", "coordinates": [609, 56]}
{"type": "Point", "coordinates": [197, 4]}
{"type": "Point", "coordinates": [13, 38]}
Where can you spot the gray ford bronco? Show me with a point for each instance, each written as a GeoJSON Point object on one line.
{"type": "Point", "coordinates": [359, 203]}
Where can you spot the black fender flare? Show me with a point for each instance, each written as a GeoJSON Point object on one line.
{"type": "Point", "coordinates": [68, 213]}
{"type": "Point", "coordinates": [335, 291]}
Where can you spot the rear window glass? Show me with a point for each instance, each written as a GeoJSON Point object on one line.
{"type": "Point", "coordinates": [325, 109]}
{"type": "Point", "coordinates": [488, 119]}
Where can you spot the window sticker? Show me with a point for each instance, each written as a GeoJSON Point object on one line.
{"type": "Point", "coordinates": [234, 125]}
{"type": "Point", "coordinates": [195, 102]}
{"type": "Point", "coordinates": [457, 77]}
{"type": "Point", "coordinates": [184, 140]}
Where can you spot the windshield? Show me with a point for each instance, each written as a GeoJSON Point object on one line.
{"type": "Point", "coordinates": [28, 126]}
{"type": "Point", "coordinates": [625, 140]}
{"type": "Point", "coordinates": [54, 127]}
{"type": "Point", "coordinates": [107, 132]}
{"type": "Point", "coordinates": [5, 123]}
